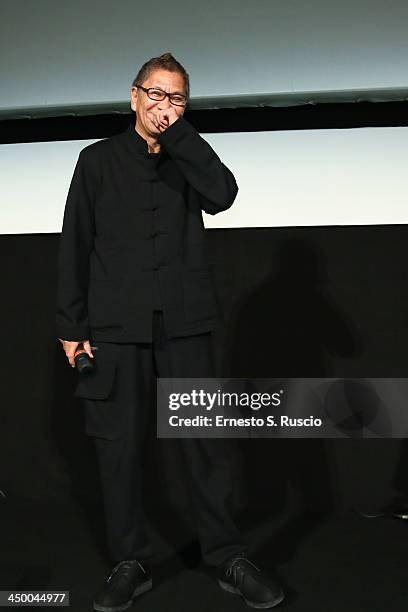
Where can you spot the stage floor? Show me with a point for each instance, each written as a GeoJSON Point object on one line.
{"type": "Point", "coordinates": [332, 564]}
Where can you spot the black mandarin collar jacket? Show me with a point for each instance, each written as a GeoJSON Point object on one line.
{"type": "Point", "coordinates": [133, 237]}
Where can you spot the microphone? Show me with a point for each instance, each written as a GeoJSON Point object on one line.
{"type": "Point", "coordinates": [83, 362]}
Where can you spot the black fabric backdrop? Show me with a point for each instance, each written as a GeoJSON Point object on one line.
{"type": "Point", "coordinates": [326, 301]}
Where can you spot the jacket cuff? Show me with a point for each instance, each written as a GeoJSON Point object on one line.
{"type": "Point", "coordinates": [175, 131]}
{"type": "Point", "coordinates": [72, 334]}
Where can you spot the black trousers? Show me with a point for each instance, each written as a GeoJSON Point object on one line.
{"type": "Point", "coordinates": [128, 411]}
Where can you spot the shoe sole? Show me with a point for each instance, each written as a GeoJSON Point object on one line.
{"type": "Point", "coordinates": [146, 586]}
{"type": "Point", "coordinates": [252, 604]}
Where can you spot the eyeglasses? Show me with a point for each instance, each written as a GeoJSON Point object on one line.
{"type": "Point", "coordinates": [158, 94]}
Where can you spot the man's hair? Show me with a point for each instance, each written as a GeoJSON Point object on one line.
{"type": "Point", "coordinates": [166, 61]}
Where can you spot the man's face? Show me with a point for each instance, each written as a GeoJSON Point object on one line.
{"type": "Point", "coordinates": [171, 82]}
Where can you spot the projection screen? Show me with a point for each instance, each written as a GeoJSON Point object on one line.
{"type": "Point", "coordinates": [60, 58]}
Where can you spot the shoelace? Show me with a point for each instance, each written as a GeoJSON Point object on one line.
{"type": "Point", "coordinates": [235, 566]}
{"type": "Point", "coordinates": [123, 566]}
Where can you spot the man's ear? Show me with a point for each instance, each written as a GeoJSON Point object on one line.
{"type": "Point", "coordinates": [133, 101]}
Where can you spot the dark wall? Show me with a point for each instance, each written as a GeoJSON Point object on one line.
{"type": "Point", "coordinates": [301, 302]}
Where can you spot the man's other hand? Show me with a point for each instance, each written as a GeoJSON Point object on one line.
{"type": "Point", "coordinates": [70, 346]}
{"type": "Point", "coordinates": [163, 119]}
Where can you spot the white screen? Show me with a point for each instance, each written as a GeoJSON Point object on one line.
{"type": "Point", "coordinates": [288, 178]}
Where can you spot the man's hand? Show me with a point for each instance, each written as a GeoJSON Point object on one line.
{"type": "Point", "coordinates": [70, 346]}
{"type": "Point", "coordinates": [164, 118]}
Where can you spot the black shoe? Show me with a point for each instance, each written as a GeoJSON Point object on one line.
{"type": "Point", "coordinates": [127, 580]}
{"type": "Point", "coordinates": [239, 575]}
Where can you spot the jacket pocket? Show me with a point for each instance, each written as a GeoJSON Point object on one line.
{"type": "Point", "coordinates": [97, 389]}
{"type": "Point", "coordinates": [199, 294]}
{"type": "Point", "coordinates": [103, 303]}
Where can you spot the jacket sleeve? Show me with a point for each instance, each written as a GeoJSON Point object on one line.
{"type": "Point", "coordinates": [75, 246]}
{"type": "Point", "coordinates": [200, 165]}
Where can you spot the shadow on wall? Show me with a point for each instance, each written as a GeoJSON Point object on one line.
{"type": "Point", "coordinates": [286, 326]}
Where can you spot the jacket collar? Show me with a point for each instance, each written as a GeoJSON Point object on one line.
{"type": "Point", "coordinates": [138, 143]}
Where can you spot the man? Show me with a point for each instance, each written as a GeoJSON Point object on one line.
{"type": "Point", "coordinates": [134, 279]}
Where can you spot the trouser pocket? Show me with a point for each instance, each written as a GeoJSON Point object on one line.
{"type": "Point", "coordinates": [97, 390]}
